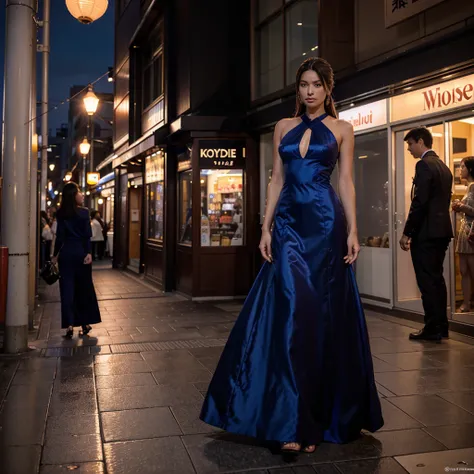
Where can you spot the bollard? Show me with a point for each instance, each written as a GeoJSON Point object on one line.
{"type": "Point", "coordinates": [3, 283]}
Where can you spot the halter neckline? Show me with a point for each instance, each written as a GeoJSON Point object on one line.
{"type": "Point", "coordinates": [308, 121]}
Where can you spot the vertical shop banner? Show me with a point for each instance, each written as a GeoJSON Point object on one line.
{"type": "Point", "coordinates": [221, 154]}
{"type": "Point", "coordinates": [399, 10]}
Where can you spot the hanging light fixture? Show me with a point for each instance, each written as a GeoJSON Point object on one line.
{"type": "Point", "coordinates": [91, 101]}
{"type": "Point", "coordinates": [52, 166]}
{"type": "Point", "coordinates": [84, 147]}
{"type": "Point", "coordinates": [87, 11]}
{"type": "Point", "coordinates": [68, 176]}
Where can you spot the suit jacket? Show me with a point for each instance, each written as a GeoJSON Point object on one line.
{"type": "Point", "coordinates": [431, 200]}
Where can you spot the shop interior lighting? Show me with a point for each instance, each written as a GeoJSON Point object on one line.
{"type": "Point", "coordinates": [361, 157]}
{"type": "Point", "coordinates": [469, 120]}
{"type": "Point", "coordinates": [314, 49]}
{"type": "Point", "coordinates": [299, 24]}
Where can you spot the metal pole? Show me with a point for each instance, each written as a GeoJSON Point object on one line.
{"type": "Point", "coordinates": [84, 171]}
{"type": "Point", "coordinates": [44, 104]}
{"type": "Point", "coordinates": [91, 131]}
{"type": "Point", "coordinates": [19, 43]}
{"type": "Point", "coordinates": [33, 189]}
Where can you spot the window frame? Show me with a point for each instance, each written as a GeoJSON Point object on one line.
{"type": "Point", "coordinates": [256, 29]}
{"type": "Point", "coordinates": [149, 61]}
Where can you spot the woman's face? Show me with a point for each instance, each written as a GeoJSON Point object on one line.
{"type": "Point", "coordinates": [311, 90]}
{"type": "Point", "coordinates": [79, 198]}
{"type": "Point", "coordinates": [464, 171]}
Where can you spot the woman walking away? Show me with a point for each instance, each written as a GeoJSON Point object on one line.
{"type": "Point", "coordinates": [79, 305]}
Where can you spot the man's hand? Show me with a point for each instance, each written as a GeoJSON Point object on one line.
{"type": "Point", "coordinates": [405, 242]}
{"type": "Point", "coordinates": [88, 259]}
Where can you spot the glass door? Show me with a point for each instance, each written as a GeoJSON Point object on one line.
{"type": "Point", "coordinates": [407, 295]}
{"type": "Point", "coordinates": [460, 145]}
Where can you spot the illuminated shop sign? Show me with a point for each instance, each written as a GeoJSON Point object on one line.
{"type": "Point", "coordinates": [438, 98]}
{"type": "Point", "coordinates": [400, 10]}
{"type": "Point", "coordinates": [366, 116]}
{"type": "Point", "coordinates": [221, 154]}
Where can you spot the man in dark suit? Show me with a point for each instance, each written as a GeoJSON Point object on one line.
{"type": "Point", "coordinates": [428, 232]}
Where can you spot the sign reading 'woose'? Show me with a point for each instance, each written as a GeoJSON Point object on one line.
{"type": "Point", "coordinates": [221, 154]}
{"type": "Point", "coordinates": [434, 99]}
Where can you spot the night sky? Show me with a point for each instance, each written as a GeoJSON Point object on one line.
{"type": "Point", "coordinates": [79, 55]}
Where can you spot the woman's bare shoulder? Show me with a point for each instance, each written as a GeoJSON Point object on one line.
{"type": "Point", "coordinates": [283, 126]}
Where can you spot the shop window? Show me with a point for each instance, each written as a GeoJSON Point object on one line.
{"type": "Point", "coordinates": [301, 36]}
{"type": "Point", "coordinates": [222, 208]}
{"type": "Point", "coordinates": [285, 34]}
{"type": "Point", "coordinates": [371, 184]}
{"type": "Point", "coordinates": [153, 69]}
{"type": "Point", "coordinates": [155, 195]}
{"type": "Point", "coordinates": [185, 208]}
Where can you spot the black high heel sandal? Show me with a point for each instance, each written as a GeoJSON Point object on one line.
{"type": "Point", "coordinates": [69, 333]}
{"type": "Point", "coordinates": [86, 329]}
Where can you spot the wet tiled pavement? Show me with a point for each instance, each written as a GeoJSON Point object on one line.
{"type": "Point", "coordinates": [126, 400]}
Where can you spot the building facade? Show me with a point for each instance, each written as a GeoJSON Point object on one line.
{"type": "Point", "coordinates": [197, 97]}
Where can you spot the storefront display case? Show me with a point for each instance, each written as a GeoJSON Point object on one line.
{"type": "Point", "coordinates": [216, 257]}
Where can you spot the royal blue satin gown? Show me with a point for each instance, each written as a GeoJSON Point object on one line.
{"type": "Point", "coordinates": [297, 365]}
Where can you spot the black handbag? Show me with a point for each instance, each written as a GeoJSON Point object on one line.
{"type": "Point", "coordinates": [50, 273]}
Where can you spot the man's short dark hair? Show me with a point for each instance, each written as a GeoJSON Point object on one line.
{"type": "Point", "coordinates": [420, 132]}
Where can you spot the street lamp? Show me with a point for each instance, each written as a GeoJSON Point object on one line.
{"type": "Point", "coordinates": [84, 148]}
{"type": "Point", "coordinates": [91, 101]}
{"type": "Point", "coordinates": [87, 11]}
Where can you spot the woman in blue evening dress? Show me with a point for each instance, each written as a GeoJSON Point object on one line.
{"type": "Point", "coordinates": [297, 367]}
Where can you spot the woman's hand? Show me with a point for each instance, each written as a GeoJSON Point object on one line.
{"type": "Point", "coordinates": [266, 246]}
{"type": "Point", "coordinates": [54, 260]}
{"type": "Point", "coordinates": [88, 259]}
{"type": "Point", "coordinates": [353, 249]}
{"type": "Point", "coordinates": [456, 205]}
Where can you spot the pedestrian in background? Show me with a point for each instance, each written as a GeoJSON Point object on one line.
{"type": "Point", "coordinates": [428, 232]}
{"type": "Point", "coordinates": [79, 306]}
{"type": "Point", "coordinates": [46, 239]}
{"type": "Point", "coordinates": [97, 236]}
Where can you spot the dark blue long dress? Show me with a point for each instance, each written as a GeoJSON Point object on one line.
{"type": "Point", "coordinates": [297, 365]}
{"type": "Point", "coordinates": [79, 305]}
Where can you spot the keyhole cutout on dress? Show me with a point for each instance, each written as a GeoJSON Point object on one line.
{"type": "Point", "coordinates": [304, 143]}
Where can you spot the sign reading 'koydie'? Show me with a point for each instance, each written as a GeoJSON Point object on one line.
{"type": "Point", "coordinates": [430, 100]}
{"type": "Point", "coordinates": [222, 153]}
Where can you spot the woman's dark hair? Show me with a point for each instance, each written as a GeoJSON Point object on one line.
{"type": "Point", "coordinates": [469, 164]}
{"type": "Point", "coordinates": [326, 75]}
{"type": "Point", "coordinates": [420, 133]}
{"type": "Point", "coordinates": [68, 202]}
{"type": "Point", "coordinates": [94, 214]}
{"type": "Point", "coordinates": [44, 215]}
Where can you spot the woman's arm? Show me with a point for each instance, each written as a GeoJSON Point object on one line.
{"type": "Point", "coordinates": [87, 234]}
{"type": "Point", "coordinates": [468, 210]}
{"type": "Point", "coordinates": [59, 242]}
{"type": "Point", "coordinates": [276, 183]}
{"type": "Point", "coordinates": [347, 190]}
{"type": "Point", "coordinates": [346, 183]}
